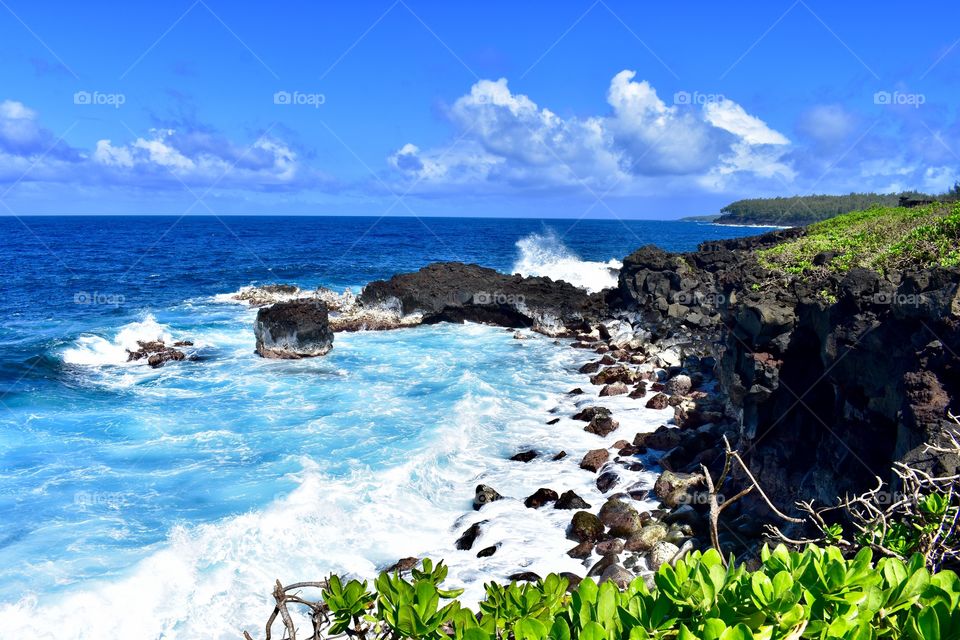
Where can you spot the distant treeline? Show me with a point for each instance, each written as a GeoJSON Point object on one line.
{"type": "Point", "coordinates": [802, 210]}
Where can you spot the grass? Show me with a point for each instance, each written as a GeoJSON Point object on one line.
{"type": "Point", "coordinates": [880, 238]}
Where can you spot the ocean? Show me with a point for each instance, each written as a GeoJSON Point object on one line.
{"type": "Point", "coordinates": [163, 503]}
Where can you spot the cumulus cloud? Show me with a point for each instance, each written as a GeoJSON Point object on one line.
{"type": "Point", "coordinates": [163, 158]}
{"type": "Point", "coordinates": [506, 141]}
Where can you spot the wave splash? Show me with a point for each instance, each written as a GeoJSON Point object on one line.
{"type": "Point", "coordinates": [96, 351]}
{"type": "Point", "coordinates": [544, 254]}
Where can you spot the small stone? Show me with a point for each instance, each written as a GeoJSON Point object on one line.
{"type": "Point", "coordinates": [489, 551]}
{"type": "Point", "coordinates": [582, 551]}
{"type": "Point", "coordinates": [554, 421]}
{"type": "Point", "coordinates": [540, 497]}
{"type": "Point", "coordinates": [575, 391]}
{"type": "Point", "coordinates": [559, 456]}
{"type": "Point", "coordinates": [524, 456]}
{"type": "Point", "coordinates": [524, 576]}
{"type": "Point", "coordinates": [647, 537]}
{"type": "Point", "coordinates": [570, 500]}
{"type": "Point", "coordinates": [485, 495]}
{"type": "Point", "coordinates": [607, 480]}
{"type": "Point", "coordinates": [403, 565]}
{"type": "Point", "coordinates": [663, 553]}
{"type": "Point", "coordinates": [614, 389]}
{"type": "Point", "coordinates": [675, 489]}
{"type": "Point", "coordinates": [658, 402]}
{"type": "Point", "coordinates": [465, 541]}
{"type": "Point", "coordinates": [594, 459]}
{"type": "Point", "coordinates": [617, 575]}
{"type": "Point", "coordinates": [679, 385]}
{"type": "Point", "coordinates": [586, 527]}
{"type": "Point", "coordinates": [622, 519]}
{"type": "Point", "coordinates": [612, 546]}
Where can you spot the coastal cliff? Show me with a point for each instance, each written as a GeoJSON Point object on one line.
{"type": "Point", "coordinates": [831, 374]}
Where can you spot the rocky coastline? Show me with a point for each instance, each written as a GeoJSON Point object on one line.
{"type": "Point", "coordinates": [821, 382]}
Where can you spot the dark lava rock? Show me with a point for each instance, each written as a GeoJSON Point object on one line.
{"type": "Point", "coordinates": [156, 353]}
{"type": "Point", "coordinates": [554, 421]}
{"type": "Point", "coordinates": [590, 367]}
{"type": "Point", "coordinates": [602, 425]}
{"type": "Point", "coordinates": [582, 551]}
{"type": "Point", "coordinates": [659, 401]}
{"type": "Point", "coordinates": [664, 438]}
{"type": "Point", "coordinates": [614, 389]}
{"type": "Point", "coordinates": [457, 292]}
{"type": "Point", "coordinates": [488, 551]}
{"type": "Point", "coordinates": [296, 329]}
{"type": "Point", "coordinates": [524, 456]}
{"type": "Point", "coordinates": [559, 456]}
{"type": "Point", "coordinates": [403, 565]}
{"type": "Point", "coordinates": [540, 497]}
{"type": "Point", "coordinates": [679, 385]}
{"type": "Point", "coordinates": [570, 500]}
{"type": "Point", "coordinates": [573, 580]}
{"type": "Point", "coordinates": [617, 575]}
{"type": "Point", "coordinates": [485, 495]}
{"type": "Point", "coordinates": [675, 489]}
{"type": "Point", "coordinates": [594, 459]}
{"type": "Point", "coordinates": [607, 480]}
{"type": "Point", "coordinates": [523, 576]}
{"type": "Point", "coordinates": [589, 413]}
{"type": "Point", "coordinates": [622, 519]}
{"type": "Point", "coordinates": [608, 547]}
{"type": "Point", "coordinates": [575, 391]}
{"type": "Point", "coordinates": [586, 527]}
{"type": "Point", "coordinates": [618, 373]}
{"type": "Point", "coordinates": [465, 541]}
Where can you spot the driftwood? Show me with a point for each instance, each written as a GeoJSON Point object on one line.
{"type": "Point", "coordinates": [290, 594]}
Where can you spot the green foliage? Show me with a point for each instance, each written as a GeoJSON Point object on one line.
{"type": "Point", "coordinates": [803, 210]}
{"type": "Point", "coordinates": [881, 238]}
{"type": "Point", "coordinates": [816, 593]}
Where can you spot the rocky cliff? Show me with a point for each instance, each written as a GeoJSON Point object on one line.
{"type": "Point", "coordinates": [831, 377]}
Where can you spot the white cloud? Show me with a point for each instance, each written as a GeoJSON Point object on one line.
{"type": "Point", "coordinates": [506, 141]}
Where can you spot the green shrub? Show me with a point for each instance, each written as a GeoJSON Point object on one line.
{"type": "Point", "coordinates": [816, 593]}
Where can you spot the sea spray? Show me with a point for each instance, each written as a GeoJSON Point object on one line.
{"type": "Point", "coordinates": [545, 254]}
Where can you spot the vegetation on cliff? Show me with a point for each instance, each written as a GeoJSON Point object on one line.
{"type": "Point", "coordinates": [814, 594]}
{"type": "Point", "coordinates": [803, 210]}
{"type": "Point", "coordinates": [879, 238]}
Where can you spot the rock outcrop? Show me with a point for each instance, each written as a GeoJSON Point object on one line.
{"type": "Point", "coordinates": [457, 292]}
{"type": "Point", "coordinates": [294, 329]}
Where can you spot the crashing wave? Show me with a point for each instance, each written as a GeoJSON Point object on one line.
{"type": "Point", "coordinates": [544, 254]}
{"type": "Point", "coordinates": [96, 351]}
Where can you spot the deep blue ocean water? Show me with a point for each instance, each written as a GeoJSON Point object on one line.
{"type": "Point", "coordinates": [183, 492]}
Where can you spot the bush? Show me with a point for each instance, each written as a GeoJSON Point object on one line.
{"type": "Point", "coordinates": [816, 593]}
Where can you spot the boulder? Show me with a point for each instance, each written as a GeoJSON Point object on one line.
{"type": "Point", "coordinates": [674, 489]}
{"type": "Point", "coordinates": [613, 546]}
{"type": "Point", "coordinates": [157, 353]}
{"type": "Point", "coordinates": [659, 401]}
{"type": "Point", "coordinates": [488, 551]}
{"type": "Point", "coordinates": [586, 527]}
{"type": "Point", "coordinates": [295, 329]}
{"type": "Point", "coordinates": [607, 480]}
{"type": "Point", "coordinates": [614, 389]}
{"type": "Point", "coordinates": [594, 459]}
{"type": "Point", "coordinates": [618, 373]}
{"type": "Point", "coordinates": [661, 554]}
{"type": "Point", "coordinates": [622, 519]}
{"type": "Point", "coordinates": [570, 500]}
{"type": "Point", "coordinates": [679, 385]}
{"type": "Point", "coordinates": [582, 551]}
{"type": "Point", "coordinates": [617, 575]}
{"type": "Point", "coordinates": [647, 537]}
{"type": "Point", "coordinates": [524, 456]}
{"type": "Point", "coordinates": [602, 425]}
{"type": "Point", "coordinates": [466, 540]}
{"type": "Point", "coordinates": [484, 495]}
{"type": "Point", "coordinates": [540, 497]}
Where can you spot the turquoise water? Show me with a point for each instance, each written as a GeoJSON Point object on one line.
{"type": "Point", "coordinates": [178, 495]}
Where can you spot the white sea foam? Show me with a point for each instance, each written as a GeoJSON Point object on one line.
{"type": "Point", "coordinates": [544, 254]}
{"type": "Point", "coordinates": [213, 580]}
{"type": "Point", "coordinates": [93, 350]}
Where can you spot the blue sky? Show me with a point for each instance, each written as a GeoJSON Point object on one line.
{"type": "Point", "coordinates": [408, 107]}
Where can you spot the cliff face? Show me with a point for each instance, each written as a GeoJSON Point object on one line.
{"type": "Point", "coordinates": [832, 378]}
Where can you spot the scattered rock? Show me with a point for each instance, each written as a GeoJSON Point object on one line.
{"type": "Point", "coordinates": [647, 537]}
{"type": "Point", "coordinates": [589, 413]}
{"type": "Point", "coordinates": [540, 497]}
{"type": "Point", "coordinates": [674, 489]}
{"type": "Point", "coordinates": [295, 329]}
{"type": "Point", "coordinates": [403, 565]}
{"type": "Point", "coordinates": [156, 353]}
{"type": "Point", "coordinates": [582, 551]}
{"type": "Point", "coordinates": [465, 541]}
{"type": "Point", "coordinates": [679, 385]}
{"type": "Point", "coordinates": [661, 554]}
{"type": "Point", "coordinates": [594, 459]}
{"type": "Point", "coordinates": [554, 421]}
{"type": "Point", "coordinates": [523, 576]}
{"type": "Point", "coordinates": [614, 389]}
{"type": "Point", "coordinates": [612, 546]}
{"type": "Point", "coordinates": [586, 527]}
{"type": "Point", "coordinates": [622, 519]}
{"type": "Point", "coordinates": [659, 401]}
{"type": "Point", "coordinates": [617, 575]}
{"type": "Point", "coordinates": [570, 500]}
{"type": "Point", "coordinates": [575, 391]}
{"type": "Point", "coordinates": [524, 456]}
{"type": "Point", "coordinates": [559, 456]}
{"type": "Point", "coordinates": [488, 551]}
{"type": "Point", "coordinates": [602, 425]}
{"type": "Point", "coordinates": [485, 495]}
{"type": "Point", "coordinates": [607, 480]}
